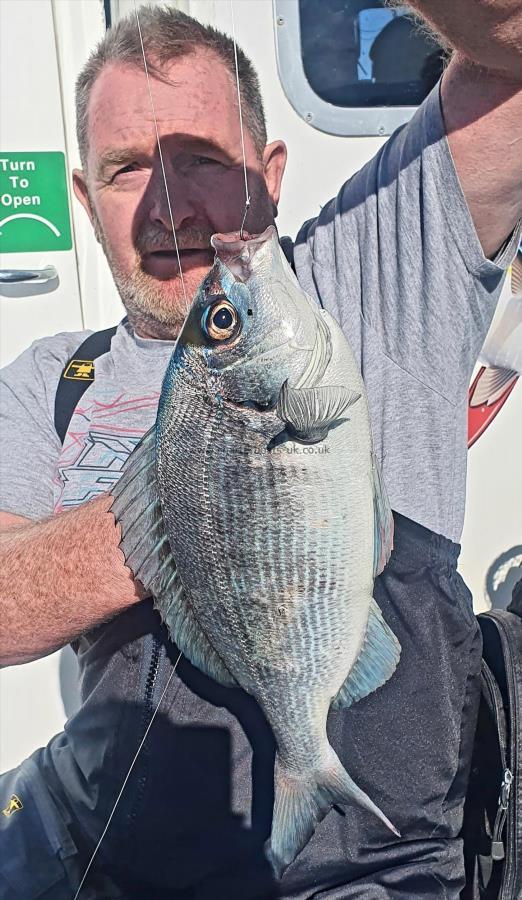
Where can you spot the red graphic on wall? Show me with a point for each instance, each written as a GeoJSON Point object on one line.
{"type": "Point", "coordinates": [487, 395]}
{"type": "Point", "coordinates": [494, 383]}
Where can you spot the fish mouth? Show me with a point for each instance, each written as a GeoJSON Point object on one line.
{"type": "Point", "coordinates": [232, 242]}
{"type": "Point", "coordinates": [238, 255]}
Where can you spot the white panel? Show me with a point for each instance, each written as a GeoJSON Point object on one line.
{"type": "Point", "coordinates": [79, 27]}
{"type": "Point", "coordinates": [493, 524]}
{"type": "Point", "coordinates": [31, 709]}
{"type": "Point", "coordinates": [31, 120]}
{"type": "Point", "coordinates": [492, 535]}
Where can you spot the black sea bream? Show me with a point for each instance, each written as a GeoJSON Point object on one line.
{"type": "Point", "coordinates": [255, 513]}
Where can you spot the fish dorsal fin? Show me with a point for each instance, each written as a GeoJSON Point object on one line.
{"type": "Point", "coordinates": [383, 520]}
{"type": "Point", "coordinates": [144, 542]}
{"type": "Point", "coordinates": [375, 664]}
{"type": "Point", "coordinates": [310, 412]}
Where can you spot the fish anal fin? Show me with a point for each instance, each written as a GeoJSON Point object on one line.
{"type": "Point", "coordinates": [375, 664]}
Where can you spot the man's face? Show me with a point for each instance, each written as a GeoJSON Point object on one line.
{"type": "Point", "coordinates": [123, 188]}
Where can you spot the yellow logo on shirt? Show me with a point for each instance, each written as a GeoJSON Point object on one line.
{"type": "Point", "coordinates": [13, 806]}
{"type": "Point", "coordinates": [80, 370]}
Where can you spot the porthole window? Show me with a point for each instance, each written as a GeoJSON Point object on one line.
{"type": "Point", "coordinates": [354, 67]}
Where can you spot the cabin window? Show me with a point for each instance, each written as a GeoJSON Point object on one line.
{"type": "Point", "coordinates": [354, 66]}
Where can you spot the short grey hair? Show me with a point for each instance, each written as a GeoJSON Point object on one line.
{"type": "Point", "coordinates": [168, 34]}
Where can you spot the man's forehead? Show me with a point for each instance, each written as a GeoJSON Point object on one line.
{"type": "Point", "coordinates": [195, 93]}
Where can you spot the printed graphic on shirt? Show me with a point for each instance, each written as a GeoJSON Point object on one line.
{"type": "Point", "coordinates": [97, 468]}
{"type": "Point", "coordinates": [101, 435]}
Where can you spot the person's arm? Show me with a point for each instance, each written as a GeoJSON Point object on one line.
{"type": "Point", "coordinates": [397, 255]}
{"type": "Point", "coordinates": [60, 575]}
{"type": "Point", "coordinates": [482, 106]}
{"type": "Point", "coordinates": [59, 578]}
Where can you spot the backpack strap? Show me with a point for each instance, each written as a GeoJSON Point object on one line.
{"type": "Point", "coordinates": [76, 377]}
{"type": "Point", "coordinates": [287, 246]}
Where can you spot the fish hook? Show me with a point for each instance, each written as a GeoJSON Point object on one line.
{"type": "Point", "coordinates": [241, 232]}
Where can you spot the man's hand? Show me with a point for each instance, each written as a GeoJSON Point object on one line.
{"type": "Point", "coordinates": [482, 107]}
{"type": "Point", "coordinates": [59, 578]}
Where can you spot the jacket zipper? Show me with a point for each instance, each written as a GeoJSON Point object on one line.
{"type": "Point", "coordinates": [494, 693]}
{"type": "Point", "coordinates": [510, 811]}
{"type": "Point", "coordinates": [497, 844]}
{"type": "Point", "coordinates": [148, 709]}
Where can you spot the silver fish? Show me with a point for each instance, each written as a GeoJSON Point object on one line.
{"type": "Point", "coordinates": [255, 513]}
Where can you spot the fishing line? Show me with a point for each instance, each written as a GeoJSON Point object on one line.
{"type": "Point", "coordinates": [161, 156]}
{"type": "Point", "coordinates": [247, 195]}
{"type": "Point", "coordinates": [241, 235]}
{"type": "Point", "coordinates": [118, 798]}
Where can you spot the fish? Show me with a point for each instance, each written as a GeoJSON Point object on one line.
{"type": "Point", "coordinates": [255, 513]}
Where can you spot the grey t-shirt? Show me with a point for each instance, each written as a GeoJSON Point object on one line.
{"type": "Point", "coordinates": [394, 257]}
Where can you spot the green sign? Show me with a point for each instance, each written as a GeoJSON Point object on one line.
{"type": "Point", "coordinates": [34, 205]}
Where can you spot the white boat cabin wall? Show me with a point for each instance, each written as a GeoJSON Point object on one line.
{"type": "Point", "coordinates": [336, 82]}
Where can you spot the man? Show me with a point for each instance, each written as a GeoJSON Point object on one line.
{"type": "Point", "coordinates": [410, 258]}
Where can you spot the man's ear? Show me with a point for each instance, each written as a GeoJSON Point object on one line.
{"type": "Point", "coordinates": [274, 162]}
{"type": "Point", "coordinates": [82, 193]}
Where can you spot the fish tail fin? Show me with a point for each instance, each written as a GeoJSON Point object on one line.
{"type": "Point", "coordinates": [301, 802]}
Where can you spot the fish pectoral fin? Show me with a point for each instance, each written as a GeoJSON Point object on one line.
{"type": "Point", "coordinates": [310, 412]}
{"type": "Point", "coordinates": [301, 802]}
{"type": "Point", "coordinates": [144, 542]}
{"type": "Point", "coordinates": [383, 520]}
{"type": "Point", "coordinates": [375, 664]}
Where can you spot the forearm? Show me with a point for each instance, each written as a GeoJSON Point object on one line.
{"type": "Point", "coordinates": [488, 32]}
{"type": "Point", "coordinates": [59, 578]}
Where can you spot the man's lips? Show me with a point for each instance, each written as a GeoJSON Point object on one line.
{"type": "Point", "coordinates": [163, 264]}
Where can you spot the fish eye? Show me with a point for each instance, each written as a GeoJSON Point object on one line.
{"type": "Point", "coordinates": [220, 321]}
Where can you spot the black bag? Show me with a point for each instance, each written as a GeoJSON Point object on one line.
{"type": "Point", "coordinates": [493, 813]}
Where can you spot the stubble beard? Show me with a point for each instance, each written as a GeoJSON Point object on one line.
{"type": "Point", "coordinates": [158, 308]}
{"type": "Point", "coordinates": [154, 309]}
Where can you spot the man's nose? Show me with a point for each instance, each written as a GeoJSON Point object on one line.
{"type": "Point", "coordinates": [171, 202]}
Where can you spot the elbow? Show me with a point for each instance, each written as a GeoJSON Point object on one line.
{"type": "Point", "coordinates": [19, 655]}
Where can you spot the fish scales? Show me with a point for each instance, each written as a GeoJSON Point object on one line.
{"type": "Point", "coordinates": [260, 472]}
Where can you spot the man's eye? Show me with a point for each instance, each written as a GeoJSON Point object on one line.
{"type": "Point", "coordinates": [205, 161]}
{"type": "Point", "coordinates": [131, 167]}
